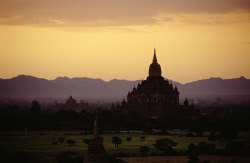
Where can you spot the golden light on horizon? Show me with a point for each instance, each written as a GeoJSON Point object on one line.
{"type": "Point", "coordinates": [189, 45]}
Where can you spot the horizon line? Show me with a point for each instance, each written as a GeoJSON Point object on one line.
{"type": "Point", "coordinates": [119, 79]}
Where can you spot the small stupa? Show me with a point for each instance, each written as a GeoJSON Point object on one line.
{"type": "Point", "coordinates": [96, 152]}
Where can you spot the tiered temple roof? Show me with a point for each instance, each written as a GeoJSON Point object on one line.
{"type": "Point", "coordinates": [154, 90]}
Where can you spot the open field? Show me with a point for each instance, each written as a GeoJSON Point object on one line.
{"type": "Point", "coordinates": [41, 143]}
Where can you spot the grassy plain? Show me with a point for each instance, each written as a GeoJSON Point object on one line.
{"type": "Point", "coordinates": [41, 142]}
{"type": "Point", "coordinates": [39, 145]}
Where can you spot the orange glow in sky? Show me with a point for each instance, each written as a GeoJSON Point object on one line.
{"type": "Point", "coordinates": [115, 39]}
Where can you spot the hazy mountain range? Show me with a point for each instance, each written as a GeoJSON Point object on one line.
{"type": "Point", "coordinates": [202, 91]}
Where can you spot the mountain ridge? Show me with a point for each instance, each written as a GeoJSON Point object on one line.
{"type": "Point", "coordinates": [26, 86]}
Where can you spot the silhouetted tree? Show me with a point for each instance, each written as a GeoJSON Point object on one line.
{"type": "Point", "coordinates": [123, 103]}
{"type": "Point", "coordinates": [186, 104]}
{"type": "Point", "coordinates": [35, 108]}
{"type": "Point", "coordinates": [70, 142]}
{"type": "Point", "coordinates": [142, 138]}
{"type": "Point", "coordinates": [60, 140]}
{"type": "Point", "coordinates": [118, 106]}
{"type": "Point", "coordinates": [165, 145]}
{"type": "Point", "coordinates": [112, 106]}
{"type": "Point", "coordinates": [116, 141]}
{"type": "Point", "coordinates": [198, 131]}
{"type": "Point", "coordinates": [86, 141]}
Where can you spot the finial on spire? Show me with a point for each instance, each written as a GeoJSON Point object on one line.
{"type": "Point", "coordinates": [154, 59]}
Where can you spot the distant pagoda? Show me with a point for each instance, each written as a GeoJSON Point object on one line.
{"type": "Point", "coordinates": [155, 95]}
{"type": "Point", "coordinates": [96, 152]}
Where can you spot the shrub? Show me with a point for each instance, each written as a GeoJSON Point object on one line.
{"type": "Point", "coordinates": [60, 140]}
{"type": "Point", "coordinates": [190, 134]}
{"type": "Point", "coordinates": [86, 141]}
{"type": "Point", "coordinates": [128, 139]}
{"type": "Point", "coordinates": [142, 138]}
{"type": "Point", "coordinates": [70, 142]}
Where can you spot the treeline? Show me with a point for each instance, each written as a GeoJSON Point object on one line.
{"type": "Point", "coordinates": [35, 118]}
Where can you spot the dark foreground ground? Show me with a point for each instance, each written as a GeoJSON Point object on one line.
{"type": "Point", "coordinates": [185, 159]}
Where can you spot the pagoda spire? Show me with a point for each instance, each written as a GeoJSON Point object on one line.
{"type": "Point", "coordinates": [154, 59]}
{"type": "Point", "coordinates": [96, 132]}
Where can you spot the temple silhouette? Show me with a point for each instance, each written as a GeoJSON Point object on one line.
{"type": "Point", "coordinates": [71, 104]}
{"type": "Point", "coordinates": [155, 95]}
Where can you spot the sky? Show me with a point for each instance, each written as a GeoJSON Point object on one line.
{"type": "Point", "coordinates": [115, 39]}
